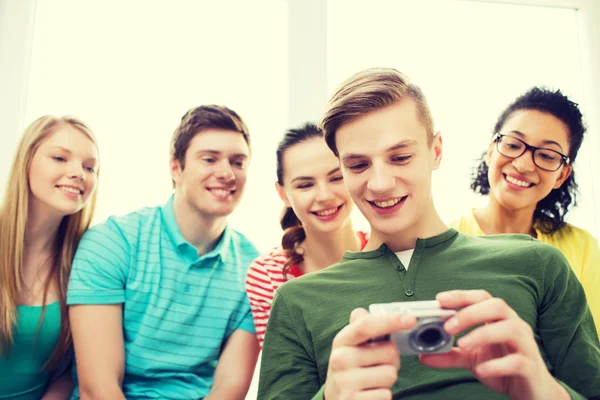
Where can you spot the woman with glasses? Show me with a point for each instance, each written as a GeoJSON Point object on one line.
{"type": "Point", "coordinates": [527, 171]}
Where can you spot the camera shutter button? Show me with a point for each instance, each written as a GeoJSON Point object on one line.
{"type": "Point", "coordinates": [409, 293]}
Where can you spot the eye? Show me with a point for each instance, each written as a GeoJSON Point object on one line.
{"type": "Point", "coordinates": [59, 159]}
{"type": "Point", "coordinates": [357, 167]}
{"type": "Point", "coordinates": [91, 169]}
{"type": "Point", "coordinates": [304, 185]}
{"type": "Point", "coordinates": [239, 164]}
{"type": "Point", "coordinates": [401, 159]}
{"type": "Point", "coordinates": [337, 178]}
{"type": "Point", "coordinates": [548, 156]}
{"type": "Point", "coordinates": [208, 160]}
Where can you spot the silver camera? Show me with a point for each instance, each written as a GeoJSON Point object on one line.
{"type": "Point", "coordinates": [428, 336]}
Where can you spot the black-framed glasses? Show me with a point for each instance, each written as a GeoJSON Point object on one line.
{"type": "Point", "coordinates": [546, 159]}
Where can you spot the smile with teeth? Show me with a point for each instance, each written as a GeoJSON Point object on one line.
{"type": "Point", "coordinates": [324, 213]}
{"type": "Point", "coordinates": [70, 189]}
{"type": "Point", "coordinates": [221, 192]}
{"type": "Point", "coordinates": [517, 182]}
{"type": "Point", "coordinates": [387, 203]}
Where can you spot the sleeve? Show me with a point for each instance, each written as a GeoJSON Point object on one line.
{"type": "Point", "coordinates": [590, 276]}
{"type": "Point", "coordinates": [287, 370]}
{"type": "Point", "coordinates": [566, 327]}
{"type": "Point", "coordinates": [244, 323]}
{"type": "Point", "coordinates": [100, 267]}
{"type": "Point", "coordinates": [574, 395]}
{"type": "Point", "coordinates": [260, 289]}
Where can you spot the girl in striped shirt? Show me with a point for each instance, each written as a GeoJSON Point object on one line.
{"type": "Point", "coordinates": [316, 219]}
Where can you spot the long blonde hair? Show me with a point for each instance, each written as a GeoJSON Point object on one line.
{"type": "Point", "coordinates": [13, 224]}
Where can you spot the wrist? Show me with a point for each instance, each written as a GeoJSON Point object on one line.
{"type": "Point", "coordinates": [551, 390]}
{"type": "Point", "coordinates": [327, 395]}
{"type": "Point", "coordinates": [560, 392]}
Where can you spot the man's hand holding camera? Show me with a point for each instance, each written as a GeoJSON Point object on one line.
{"type": "Point", "coordinates": [501, 352]}
{"type": "Point", "coordinates": [365, 371]}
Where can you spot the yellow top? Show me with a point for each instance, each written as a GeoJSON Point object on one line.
{"type": "Point", "coordinates": [579, 247]}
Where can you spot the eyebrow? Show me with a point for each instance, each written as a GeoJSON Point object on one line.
{"type": "Point", "coordinates": [218, 153]}
{"type": "Point", "coordinates": [402, 145]}
{"type": "Point", "coordinates": [398, 146]}
{"type": "Point", "coordinates": [547, 142]}
{"type": "Point", "coordinates": [306, 178]}
{"type": "Point", "coordinates": [61, 148]}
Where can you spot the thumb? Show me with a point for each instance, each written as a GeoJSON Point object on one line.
{"type": "Point", "coordinates": [357, 314]}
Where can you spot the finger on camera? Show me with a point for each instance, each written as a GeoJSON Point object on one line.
{"type": "Point", "coordinates": [372, 327]}
{"type": "Point", "coordinates": [490, 310]}
{"type": "Point", "coordinates": [365, 356]}
{"type": "Point", "coordinates": [456, 358]}
{"type": "Point", "coordinates": [513, 364]}
{"type": "Point", "coordinates": [513, 332]}
{"type": "Point", "coordinates": [376, 377]}
{"type": "Point", "coordinates": [357, 314]}
{"type": "Point", "coordinates": [461, 298]}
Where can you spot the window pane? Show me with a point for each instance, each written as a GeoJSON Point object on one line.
{"type": "Point", "coordinates": [132, 68]}
{"type": "Point", "coordinates": [471, 59]}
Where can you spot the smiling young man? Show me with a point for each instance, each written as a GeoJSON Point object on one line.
{"type": "Point", "coordinates": [158, 307]}
{"type": "Point", "coordinates": [524, 325]}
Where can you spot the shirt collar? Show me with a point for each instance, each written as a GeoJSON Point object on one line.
{"type": "Point", "coordinates": [168, 215]}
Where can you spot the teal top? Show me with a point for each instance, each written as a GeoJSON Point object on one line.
{"type": "Point", "coordinates": [179, 308]}
{"type": "Point", "coordinates": [22, 376]}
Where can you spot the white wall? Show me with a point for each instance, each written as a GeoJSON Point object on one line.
{"type": "Point", "coordinates": [132, 68]}
{"type": "Point", "coordinates": [17, 19]}
{"type": "Point", "coordinates": [135, 86]}
{"type": "Point", "coordinates": [589, 34]}
{"type": "Point", "coordinates": [471, 59]}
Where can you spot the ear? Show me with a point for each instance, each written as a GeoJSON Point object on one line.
{"type": "Point", "coordinates": [562, 177]}
{"type": "Point", "coordinates": [488, 154]}
{"type": "Point", "coordinates": [176, 170]}
{"type": "Point", "coordinates": [282, 195]}
{"type": "Point", "coordinates": [436, 146]}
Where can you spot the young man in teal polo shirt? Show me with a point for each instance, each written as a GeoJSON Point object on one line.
{"type": "Point", "coordinates": [157, 301]}
{"type": "Point", "coordinates": [525, 329]}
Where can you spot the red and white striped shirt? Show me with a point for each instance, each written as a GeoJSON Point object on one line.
{"type": "Point", "coordinates": [265, 275]}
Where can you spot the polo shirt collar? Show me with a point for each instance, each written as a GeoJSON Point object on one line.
{"type": "Point", "coordinates": [222, 248]}
{"type": "Point", "coordinates": [168, 213]}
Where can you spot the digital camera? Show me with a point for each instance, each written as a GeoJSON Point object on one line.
{"type": "Point", "coordinates": [428, 336]}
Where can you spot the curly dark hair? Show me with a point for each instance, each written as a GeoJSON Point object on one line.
{"type": "Point", "coordinates": [293, 234]}
{"type": "Point", "coordinates": [550, 212]}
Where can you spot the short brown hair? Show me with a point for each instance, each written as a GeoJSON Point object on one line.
{"type": "Point", "coordinates": [370, 90]}
{"type": "Point", "coordinates": [201, 118]}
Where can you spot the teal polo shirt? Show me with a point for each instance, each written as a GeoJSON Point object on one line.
{"type": "Point", "coordinates": [178, 308]}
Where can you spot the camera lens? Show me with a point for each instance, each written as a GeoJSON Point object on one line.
{"type": "Point", "coordinates": [429, 337]}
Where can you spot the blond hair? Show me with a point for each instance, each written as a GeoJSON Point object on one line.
{"type": "Point", "coordinates": [13, 223]}
{"type": "Point", "coordinates": [370, 90]}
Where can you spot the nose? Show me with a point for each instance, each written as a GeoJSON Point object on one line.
{"type": "Point", "coordinates": [524, 163]}
{"type": "Point", "coordinates": [225, 172]}
{"type": "Point", "coordinates": [324, 194]}
{"type": "Point", "coordinates": [77, 172]}
{"type": "Point", "coordinates": [381, 180]}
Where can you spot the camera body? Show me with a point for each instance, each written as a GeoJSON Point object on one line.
{"type": "Point", "coordinates": [428, 336]}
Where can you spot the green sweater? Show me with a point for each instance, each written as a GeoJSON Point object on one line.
{"type": "Point", "coordinates": [532, 277]}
